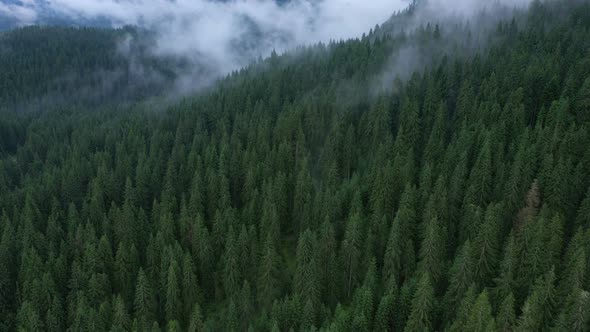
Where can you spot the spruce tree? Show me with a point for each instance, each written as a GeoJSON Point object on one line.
{"type": "Point", "coordinates": [423, 305]}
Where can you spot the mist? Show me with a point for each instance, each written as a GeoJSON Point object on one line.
{"type": "Point", "coordinates": [465, 29]}
{"type": "Point", "coordinates": [224, 35]}
{"type": "Point", "coordinates": [216, 37]}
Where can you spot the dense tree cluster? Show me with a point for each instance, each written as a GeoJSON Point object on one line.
{"type": "Point", "coordinates": [294, 198]}
{"type": "Point", "coordinates": [41, 67]}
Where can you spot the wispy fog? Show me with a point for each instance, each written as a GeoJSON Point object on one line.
{"type": "Point", "coordinates": [216, 37]}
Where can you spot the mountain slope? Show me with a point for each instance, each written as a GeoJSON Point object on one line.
{"type": "Point", "coordinates": [308, 193]}
{"type": "Point", "coordinates": [43, 67]}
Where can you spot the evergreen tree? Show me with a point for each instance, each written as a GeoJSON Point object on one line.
{"type": "Point", "coordinates": [461, 277]}
{"type": "Point", "coordinates": [480, 317]}
{"type": "Point", "coordinates": [506, 317]}
{"type": "Point", "coordinates": [145, 302]}
{"type": "Point", "coordinates": [480, 180]}
{"type": "Point", "coordinates": [537, 311]}
{"type": "Point", "coordinates": [173, 304]}
{"type": "Point", "coordinates": [306, 279]}
{"type": "Point", "coordinates": [350, 252]}
{"type": "Point", "coordinates": [432, 251]}
{"type": "Point", "coordinates": [422, 314]}
{"type": "Point", "coordinates": [575, 315]}
{"type": "Point", "coordinates": [196, 320]}
{"type": "Point", "coordinates": [486, 245]}
{"type": "Point", "coordinates": [28, 318]}
{"type": "Point", "coordinates": [462, 314]}
{"type": "Point", "coordinates": [268, 285]}
{"type": "Point", "coordinates": [385, 316]}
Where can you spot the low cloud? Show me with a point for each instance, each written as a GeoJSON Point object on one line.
{"type": "Point", "coordinates": [217, 37]}
{"type": "Point", "coordinates": [226, 34]}
{"type": "Point", "coordinates": [465, 28]}
{"type": "Point", "coordinates": [19, 12]}
{"type": "Point", "coordinates": [469, 7]}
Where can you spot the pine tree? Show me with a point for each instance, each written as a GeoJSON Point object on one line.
{"type": "Point", "coordinates": [145, 301]}
{"type": "Point", "coordinates": [399, 253]}
{"type": "Point", "coordinates": [120, 317]}
{"type": "Point", "coordinates": [575, 266]}
{"type": "Point", "coordinates": [537, 311]}
{"type": "Point", "coordinates": [8, 273]}
{"type": "Point", "coordinates": [486, 245]}
{"type": "Point", "coordinates": [231, 271]}
{"type": "Point", "coordinates": [302, 198]}
{"type": "Point", "coordinates": [433, 251]}
{"type": "Point", "coordinates": [480, 317]}
{"type": "Point", "coordinates": [124, 274]}
{"type": "Point", "coordinates": [575, 315]}
{"type": "Point", "coordinates": [173, 304]}
{"type": "Point", "coordinates": [583, 101]}
{"type": "Point", "coordinates": [54, 318]}
{"type": "Point", "coordinates": [350, 252]}
{"type": "Point", "coordinates": [196, 320]}
{"type": "Point", "coordinates": [364, 301]}
{"type": "Point", "coordinates": [306, 279]}
{"type": "Point", "coordinates": [462, 314]}
{"type": "Point", "coordinates": [173, 326]}
{"type": "Point", "coordinates": [268, 286]}
{"type": "Point", "coordinates": [480, 180]}
{"type": "Point", "coordinates": [385, 316]}
{"type": "Point", "coordinates": [28, 318]}
{"type": "Point", "coordinates": [232, 321]}
{"type": "Point", "coordinates": [506, 317]}
{"type": "Point", "coordinates": [461, 277]}
{"type": "Point", "coordinates": [202, 250]}
{"type": "Point", "coordinates": [583, 214]}
{"type": "Point", "coordinates": [307, 317]}
{"type": "Point", "coordinates": [422, 314]}
{"type": "Point", "coordinates": [190, 286]}
{"type": "Point", "coordinates": [327, 262]}
{"type": "Point", "coordinates": [245, 306]}
{"type": "Point", "coordinates": [196, 200]}
{"type": "Point", "coordinates": [506, 283]}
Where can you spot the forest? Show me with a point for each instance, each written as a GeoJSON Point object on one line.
{"type": "Point", "coordinates": [55, 66]}
{"type": "Point", "coordinates": [305, 192]}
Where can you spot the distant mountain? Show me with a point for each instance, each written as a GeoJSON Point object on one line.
{"type": "Point", "coordinates": [17, 13]}
{"type": "Point", "coordinates": [79, 66]}
{"type": "Point", "coordinates": [12, 12]}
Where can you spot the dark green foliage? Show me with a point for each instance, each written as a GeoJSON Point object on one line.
{"type": "Point", "coordinates": [480, 316]}
{"type": "Point", "coordinates": [297, 196]}
{"type": "Point", "coordinates": [539, 306]}
{"type": "Point", "coordinates": [423, 304]}
{"type": "Point", "coordinates": [41, 67]}
{"type": "Point", "coordinates": [506, 318]}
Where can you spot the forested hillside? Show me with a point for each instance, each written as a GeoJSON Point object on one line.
{"type": "Point", "coordinates": [306, 193]}
{"type": "Point", "coordinates": [45, 67]}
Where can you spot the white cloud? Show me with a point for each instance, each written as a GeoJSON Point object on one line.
{"type": "Point", "coordinates": [207, 32]}
{"type": "Point", "coordinates": [23, 13]}
{"type": "Point", "coordinates": [210, 28]}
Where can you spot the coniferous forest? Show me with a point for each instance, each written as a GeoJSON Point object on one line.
{"type": "Point", "coordinates": [305, 193]}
